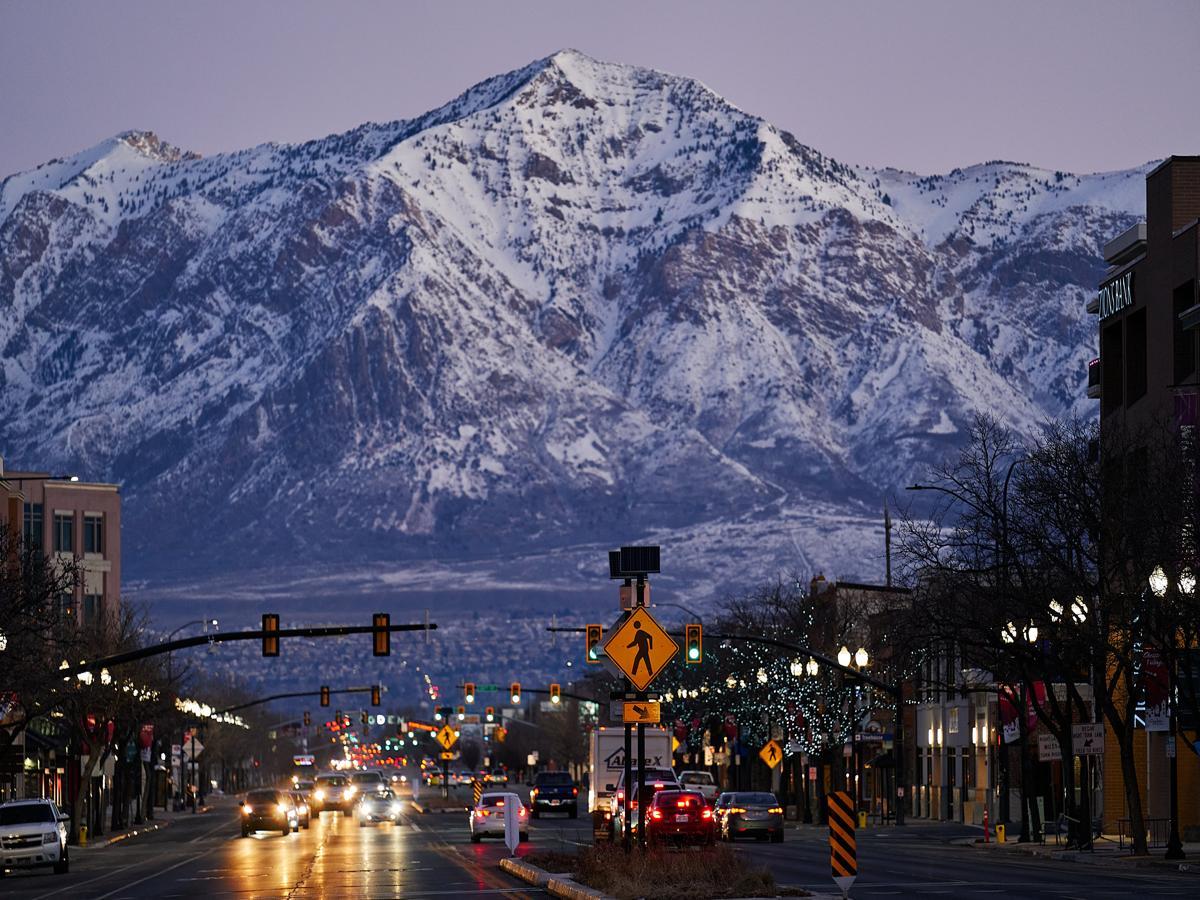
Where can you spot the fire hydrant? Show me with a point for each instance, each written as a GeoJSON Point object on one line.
{"type": "Point", "coordinates": [82, 835]}
{"type": "Point", "coordinates": [1000, 833]}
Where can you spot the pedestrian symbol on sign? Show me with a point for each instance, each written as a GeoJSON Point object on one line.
{"type": "Point", "coordinates": [771, 754]}
{"type": "Point", "coordinates": [644, 642]}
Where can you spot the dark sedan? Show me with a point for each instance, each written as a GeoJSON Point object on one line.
{"type": "Point", "coordinates": [681, 817]}
{"type": "Point", "coordinates": [269, 811]}
{"type": "Point", "coordinates": [754, 814]}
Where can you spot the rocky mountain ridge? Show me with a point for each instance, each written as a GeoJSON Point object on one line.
{"type": "Point", "coordinates": [581, 304]}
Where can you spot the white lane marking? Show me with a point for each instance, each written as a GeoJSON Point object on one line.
{"type": "Point", "coordinates": [80, 884]}
{"type": "Point", "coordinates": [201, 837]}
{"type": "Point", "coordinates": [130, 884]}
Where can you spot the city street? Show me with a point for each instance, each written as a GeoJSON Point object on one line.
{"type": "Point", "coordinates": [431, 856]}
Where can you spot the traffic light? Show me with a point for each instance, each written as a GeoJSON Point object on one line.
{"type": "Point", "coordinates": [490, 712]}
{"type": "Point", "coordinates": [469, 692]}
{"type": "Point", "coordinates": [381, 638]}
{"type": "Point", "coordinates": [364, 718]}
{"type": "Point", "coordinates": [693, 641]}
{"type": "Point", "coordinates": [324, 695]}
{"type": "Point", "coordinates": [270, 641]}
{"type": "Point", "coordinates": [307, 719]}
{"type": "Point", "coordinates": [462, 713]}
{"type": "Point", "coordinates": [515, 691]}
{"type": "Point", "coordinates": [375, 692]}
{"type": "Point", "coordinates": [555, 693]}
{"type": "Point", "coordinates": [594, 634]}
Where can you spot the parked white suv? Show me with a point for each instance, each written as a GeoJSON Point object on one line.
{"type": "Point", "coordinates": [33, 833]}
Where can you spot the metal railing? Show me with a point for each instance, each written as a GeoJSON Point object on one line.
{"type": "Point", "coordinates": [1157, 832]}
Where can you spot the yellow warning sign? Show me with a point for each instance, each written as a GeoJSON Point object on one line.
{"type": "Point", "coordinates": [640, 648]}
{"type": "Point", "coordinates": [639, 711]}
{"type": "Point", "coordinates": [446, 754]}
{"type": "Point", "coordinates": [446, 737]}
{"type": "Point", "coordinates": [771, 754]}
{"type": "Point", "coordinates": [674, 743]}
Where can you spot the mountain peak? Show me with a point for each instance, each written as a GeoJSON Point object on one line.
{"type": "Point", "coordinates": [150, 145]}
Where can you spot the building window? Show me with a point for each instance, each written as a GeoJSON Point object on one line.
{"type": "Point", "coordinates": [93, 534]}
{"type": "Point", "coordinates": [1184, 343]}
{"type": "Point", "coordinates": [1112, 366]}
{"type": "Point", "coordinates": [64, 533]}
{"type": "Point", "coordinates": [1135, 357]}
{"type": "Point", "coordinates": [93, 606]}
{"type": "Point", "coordinates": [66, 607]}
{"type": "Point", "coordinates": [33, 526]}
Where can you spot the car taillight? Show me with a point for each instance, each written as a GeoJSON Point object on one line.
{"type": "Point", "coordinates": [482, 812]}
{"type": "Point", "coordinates": [736, 809]}
{"type": "Point", "coordinates": [656, 813]}
{"type": "Point", "coordinates": [574, 792]}
{"type": "Point", "coordinates": [533, 793]}
{"type": "Point", "coordinates": [521, 811]}
{"type": "Point", "coordinates": [776, 809]}
{"type": "Point", "coordinates": [707, 814]}
{"type": "Point", "coordinates": [682, 804]}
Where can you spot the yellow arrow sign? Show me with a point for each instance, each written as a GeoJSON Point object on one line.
{"type": "Point", "coordinates": [636, 711]}
{"type": "Point", "coordinates": [446, 737]}
{"type": "Point", "coordinates": [771, 754]}
{"type": "Point", "coordinates": [640, 648]}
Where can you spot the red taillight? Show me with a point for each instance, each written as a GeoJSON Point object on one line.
{"type": "Point", "coordinates": [707, 814]}
{"type": "Point", "coordinates": [682, 804]}
{"type": "Point", "coordinates": [574, 792]}
{"type": "Point", "coordinates": [482, 812]}
{"type": "Point", "coordinates": [656, 813]}
{"type": "Point", "coordinates": [522, 811]}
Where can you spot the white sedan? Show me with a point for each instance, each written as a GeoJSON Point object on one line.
{"type": "Point", "coordinates": [487, 818]}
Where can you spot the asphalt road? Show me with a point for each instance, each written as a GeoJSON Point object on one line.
{"type": "Point", "coordinates": [431, 856]}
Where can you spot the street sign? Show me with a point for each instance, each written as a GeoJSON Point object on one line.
{"type": "Point", "coordinates": [446, 754]}
{"type": "Point", "coordinates": [843, 845]}
{"type": "Point", "coordinates": [446, 737]}
{"type": "Point", "coordinates": [646, 713]}
{"type": "Point", "coordinates": [1048, 749]}
{"type": "Point", "coordinates": [1088, 738]}
{"type": "Point", "coordinates": [512, 822]}
{"type": "Point", "coordinates": [640, 648]}
{"type": "Point", "coordinates": [192, 749]}
{"type": "Point", "coordinates": [771, 754]}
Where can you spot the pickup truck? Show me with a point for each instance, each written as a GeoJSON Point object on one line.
{"type": "Point", "coordinates": [701, 782]}
{"type": "Point", "coordinates": [554, 792]}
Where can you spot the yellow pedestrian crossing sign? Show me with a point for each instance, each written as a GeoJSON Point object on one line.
{"type": "Point", "coordinates": [640, 648]}
{"type": "Point", "coordinates": [771, 754]}
{"type": "Point", "coordinates": [446, 737]}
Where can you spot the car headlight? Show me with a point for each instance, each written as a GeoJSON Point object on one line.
{"type": "Point", "coordinates": [350, 791]}
{"type": "Point", "coordinates": [395, 809]}
{"type": "Point", "coordinates": [246, 809]}
{"type": "Point", "coordinates": [281, 809]}
{"type": "Point", "coordinates": [50, 837]}
{"type": "Point", "coordinates": [320, 795]}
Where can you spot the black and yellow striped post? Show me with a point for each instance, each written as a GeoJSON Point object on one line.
{"type": "Point", "coordinates": [843, 847]}
{"type": "Point", "coordinates": [476, 789]}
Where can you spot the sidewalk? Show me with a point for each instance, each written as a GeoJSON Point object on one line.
{"type": "Point", "coordinates": [1106, 852]}
{"type": "Point", "coordinates": [162, 819]}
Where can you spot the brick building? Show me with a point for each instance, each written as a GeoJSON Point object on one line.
{"type": "Point", "coordinates": [1147, 373]}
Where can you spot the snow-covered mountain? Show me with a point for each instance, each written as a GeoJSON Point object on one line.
{"type": "Point", "coordinates": [581, 304]}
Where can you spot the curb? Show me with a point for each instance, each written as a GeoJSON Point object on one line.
{"type": "Point", "coordinates": [425, 810]}
{"type": "Point", "coordinates": [518, 868]}
{"type": "Point", "coordinates": [557, 885]}
{"type": "Point", "coordinates": [126, 835]}
{"type": "Point", "coordinates": [1085, 858]}
{"type": "Point", "coordinates": [561, 886]}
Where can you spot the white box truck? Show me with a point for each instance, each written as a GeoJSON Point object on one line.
{"type": "Point", "coordinates": [608, 762]}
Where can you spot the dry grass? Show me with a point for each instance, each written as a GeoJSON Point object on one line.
{"type": "Point", "coordinates": [712, 872]}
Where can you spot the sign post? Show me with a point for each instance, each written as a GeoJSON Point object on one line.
{"type": "Point", "coordinates": [843, 845]}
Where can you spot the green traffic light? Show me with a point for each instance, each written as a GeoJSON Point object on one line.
{"type": "Point", "coordinates": [693, 652]}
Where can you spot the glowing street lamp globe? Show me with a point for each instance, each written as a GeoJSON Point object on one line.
{"type": "Point", "coordinates": [861, 658]}
{"type": "Point", "coordinates": [843, 656]}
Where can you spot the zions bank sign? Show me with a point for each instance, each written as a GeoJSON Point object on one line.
{"type": "Point", "coordinates": [1116, 295]}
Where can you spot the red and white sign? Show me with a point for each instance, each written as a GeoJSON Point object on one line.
{"type": "Point", "coordinates": [1156, 683]}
